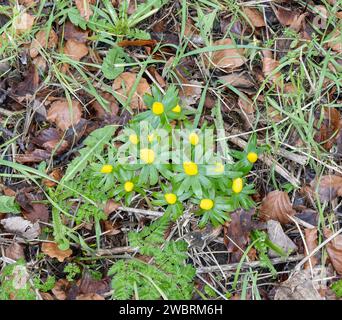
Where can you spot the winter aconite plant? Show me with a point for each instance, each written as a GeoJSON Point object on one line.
{"type": "Point", "coordinates": [161, 160]}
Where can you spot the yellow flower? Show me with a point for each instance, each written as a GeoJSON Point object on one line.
{"type": "Point", "coordinates": [157, 108]}
{"type": "Point", "coordinates": [206, 204]}
{"type": "Point", "coordinates": [129, 185]}
{"type": "Point", "coordinates": [170, 198]}
{"type": "Point", "coordinates": [147, 155]}
{"type": "Point", "coordinates": [190, 168]}
{"type": "Point", "coordinates": [133, 138]}
{"type": "Point", "coordinates": [150, 137]}
{"type": "Point", "coordinates": [237, 185]}
{"type": "Point", "coordinates": [219, 167]}
{"type": "Point", "coordinates": [252, 157]}
{"type": "Point", "coordinates": [193, 138]}
{"type": "Point", "coordinates": [177, 109]}
{"type": "Point", "coordinates": [107, 168]}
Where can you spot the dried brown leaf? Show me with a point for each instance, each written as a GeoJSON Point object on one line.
{"type": "Point", "coordinates": [276, 206]}
{"type": "Point", "coordinates": [89, 285]}
{"type": "Point", "coordinates": [111, 206]}
{"type": "Point", "coordinates": [75, 50]}
{"type": "Point", "coordinates": [71, 32]}
{"type": "Point", "coordinates": [335, 41]}
{"type": "Point", "coordinates": [36, 156]}
{"type": "Point", "coordinates": [247, 110]}
{"type": "Point", "coordinates": [311, 243]}
{"type": "Point", "coordinates": [227, 58]}
{"type": "Point", "coordinates": [23, 22]}
{"type": "Point", "coordinates": [90, 296]}
{"type": "Point", "coordinates": [60, 289]}
{"type": "Point", "coordinates": [123, 85]}
{"type": "Point", "coordinates": [334, 249]}
{"type": "Point", "coordinates": [63, 115]}
{"type": "Point", "coordinates": [255, 17]}
{"type": "Point", "coordinates": [286, 16]}
{"type": "Point", "coordinates": [83, 7]}
{"type": "Point", "coordinates": [328, 187]}
{"type": "Point", "coordinates": [51, 249]}
{"type": "Point", "coordinates": [15, 251]}
{"type": "Point", "coordinates": [41, 41]}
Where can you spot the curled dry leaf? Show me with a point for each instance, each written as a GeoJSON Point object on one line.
{"type": "Point", "coordinates": [56, 174]}
{"type": "Point", "coordinates": [276, 206]}
{"type": "Point", "coordinates": [311, 243]}
{"type": "Point", "coordinates": [227, 58]}
{"type": "Point", "coordinates": [334, 249]}
{"type": "Point", "coordinates": [113, 107]}
{"type": "Point", "coordinates": [335, 40]}
{"type": "Point", "coordinates": [278, 237]}
{"type": "Point", "coordinates": [60, 289]}
{"type": "Point", "coordinates": [63, 115]}
{"type": "Point", "coordinates": [328, 187]}
{"type": "Point", "coordinates": [29, 85]}
{"type": "Point", "coordinates": [189, 91]}
{"type": "Point", "coordinates": [111, 206]}
{"type": "Point", "coordinates": [15, 251]}
{"type": "Point", "coordinates": [41, 41]}
{"type": "Point", "coordinates": [286, 17]}
{"type": "Point", "coordinates": [21, 227]}
{"type": "Point", "coordinates": [23, 22]}
{"type": "Point", "coordinates": [83, 7]}
{"type": "Point", "coordinates": [89, 285]}
{"type": "Point", "coordinates": [52, 250]}
{"type": "Point", "coordinates": [300, 286]}
{"type": "Point", "coordinates": [32, 211]}
{"type": "Point", "coordinates": [75, 50]}
{"type": "Point", "coordinates": [237, 231]}
{"type": "Point", "coordinates": [124, 84]}
{"type": "Point", "coordinates": [255, 17]}
{"type": "Point", "coordinates": [36, 156]}
{"type": "Point", "coordinates": [269, 65]}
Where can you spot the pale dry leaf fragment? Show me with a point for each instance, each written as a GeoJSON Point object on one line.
{"type": "Point", "coordinates": [278, 237]}
{"type": "Point", "coordinates": [41, 41]}
{"type": "Point", "coordinates": [269, 65]}
{"type": "Point", "coordinates": [328, 187]}
{"type": "Point", "coordinates": [255, 17]}
{"type": "Point", "coordinates": [276, 206]}
{"type": "Point", "coordinates": [124, 84]}
{"type": "Point", "coordinates": [285, 16]}
{"type": "Point", "coordinates": [334, 249]}
{"type": "Point", "coordinates": [311, 239]}
{"type": "Point", "coordinates": [51, 249]}
{"type": "Point", "coordinates": [21, 227]}
{"type": "Point", "coordinates": [23, 22]}
{"type": "Point", "coordinates": [83, 7]}
{"type": "Point", "coordinates": [335, 40]}
{"type": "Point", "coordinates": [247, 110]}
{"type": "Point", "coordinates": [300, 286]}
{"type": "Point", "coordinates": [15, 251]}
{"type": "Point", "coordinates": [75, 50]}
{"type": "Point", "coordinates": [227, 58]}
{"type": "Point", "coordinates": [63, 115]}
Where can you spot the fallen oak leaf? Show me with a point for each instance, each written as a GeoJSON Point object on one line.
{"type": "Point", "coordinates": [334, 249]}
{"type": "Point", "coordinates": [51, 249]}
{"type": "Point", "coordinates": [328, 187]}
{"type": "Point", "coordinates": [276, 206]}
{"type": "Point", "coordinates": [63, 115]}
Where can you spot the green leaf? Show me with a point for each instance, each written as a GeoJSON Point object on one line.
{"type": "Point", "coordinates": [8, 205]}
{"type": "Point", "coordinates": [114, 57]}
{"type": "Point", "coordinates": [76, 18]}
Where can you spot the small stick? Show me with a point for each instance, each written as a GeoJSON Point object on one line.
{"type": "Point", "coordinates": [142, 211]}
{"type": "Point", "coordinates": [252, 264]}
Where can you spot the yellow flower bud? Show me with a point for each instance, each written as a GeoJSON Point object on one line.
{"type": "Point", "coordinates": [133, 138]}
{"type": "Point", "coordinates": [219, 167]}
{"type": "Point", "coordinates": [129, 185]}
{"type": "Point", "coordinates": [190, 168]}
{"type": "Point", "coordinates": [252, 157]}
{"type": "Point", "coordinates": [147, 155]}
{"type": "Point", "coordinates": [177, 109]}
{"type": "Point", "coordinates": [193, 138]}
{"type": "Point", "coordinates": [237, 185]}
{"type": "Point", "coordinates": [170, 198]}
{"type": "Point", "coordinates": [107, 168]}
{"type": "Point", "coordinates": [157, 108]}
{"type": "Point", "coordinates": [150, 137]}
{"type": "Point", "coordinates": [206, 204]}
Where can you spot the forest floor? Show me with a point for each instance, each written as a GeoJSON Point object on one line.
{"type": "Point", "coordinates": [264, 75]}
